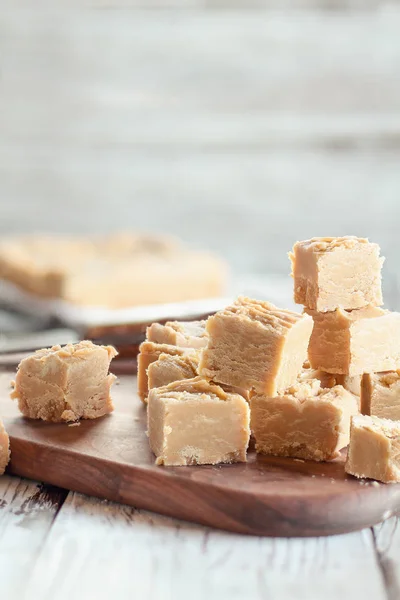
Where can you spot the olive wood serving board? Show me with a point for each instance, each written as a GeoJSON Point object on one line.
{"type": "Point", "coordinates": [110, 458]}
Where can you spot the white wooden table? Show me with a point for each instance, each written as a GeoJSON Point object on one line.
{"type": "Point", "coordinates": [55, 544]}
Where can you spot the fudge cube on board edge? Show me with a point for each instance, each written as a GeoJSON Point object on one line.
{"type": "Point", "coordinates": [374, 450]}
{"type": "Point", "coordinates": [65, 383]}
{"type": "Point", "coordinates": [4, 448]}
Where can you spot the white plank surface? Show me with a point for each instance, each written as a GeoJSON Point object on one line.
{"type": "Point", "coordinates": [26, 515]}
{"type": "Point", "coordinates": [387, 542]}
{"type": "Point", "coordinates": [97, 546]}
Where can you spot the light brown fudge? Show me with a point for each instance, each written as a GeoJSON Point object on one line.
{"type": "Point", "coordinates": [374, 450]}
{"type": "Point", "coordinates": [149, 352]}
{"type": "Point", "coordinates": [380, 395]}
{"type": "Point", "coordinates": [117, 271]}
{"type": "Point", "coordinates": [354, 342]}
{"type": "Point", "coordinates": [342, 272]}
{"type": "Point", "coordinates": [149, 279]}
{"type": "Point", "coordinates": [4, 448]}
{"type": "Point", "coordinates": [168, 368]}
{"type": "Point", "coordinates": [306, 421]}
{"type": "Point", "coordinates": [186, 334]}
{"type": "Point", "coordinates": [43, 264]}
{"type": "Point", "coordinates": [65, 383]}
{"type": "Point", "coordinates": [194, 422]}
{"type": "Point", "coordinates": [350, 383]}
{"type": "Point", "coordinates": [328, 380]}
{"type": "Point", "coordinates": [256, 346]}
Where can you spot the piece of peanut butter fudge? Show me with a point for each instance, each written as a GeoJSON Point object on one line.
{"type": "Point", "coordinates": [255, 345]}
{"type": "Point", "coordinates": [328, 380]}
{"type": "Point", "coordinates": [306, 421]}
{"type": "Point", "coordinates": [148, 279]}
{"type": "Point", "coordinates": [350, 383]}
{"type": "Point", "coordinates": [380, 395]}
{"type": "Point", "coordinates": [65, 383]}
{"type": "Point", "coordinates": [342, 272]}
{"type": "Point", "coordinates": [354, 342]}
{"type": "Point", "coordinates": [374, 450]}
{"type": "Point", "coordinates": [117, 271]}
{"type": "Point", "coordinates": [4, 448]}
{"type": "Point", "coordinates": [194, 422]}
{"type": "Point", "coordinates": [186, 334]}
{"type": "Point", "coordinates": [168, 368]}
{"type": "Point", "coordinates": [149, 352]}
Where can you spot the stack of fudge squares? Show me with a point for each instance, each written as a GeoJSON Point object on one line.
{"type": "Point", "coordinates": [304, 385]}
{"type": "Point", "coordinates": [338, 280]}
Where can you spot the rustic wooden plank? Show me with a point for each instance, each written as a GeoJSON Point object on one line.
{"type": "Point", "coordinates": [95, 546]}
{"type": "Point", "coordinates": [27, 512]}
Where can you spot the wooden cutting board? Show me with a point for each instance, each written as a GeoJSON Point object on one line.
{"type": "Point", "coordinates": [110, 458]}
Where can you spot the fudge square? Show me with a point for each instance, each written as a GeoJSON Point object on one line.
{"type": "Point", "coordinates": [329, 380]}
{"type": "Point", "coordinates": [168, 368]}
{"type": "Point", "coordinates": [186, 334]}
{"type": "Point", "coordinates": [255, 345]}
{"type": "Point", "coordinates": [354, 342]}
{"type": "Point", "coordinates": [306, 421]}
{"type": "Point", "coordinates": [65, 383]}
{"type": "Point", "coordinates": [195, 422]}
{"type": "Point", "coordinates": [374, 449]}
{"type": "Point", "coordinates": [380, 394]}
{"type": "Point", "coordinates": [4, 448]}
{"type": "Point", "coordinates": [149, 352]}
{"type": "Point", "coordinates": [331, 273]}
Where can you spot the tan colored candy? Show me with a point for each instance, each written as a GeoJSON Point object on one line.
{"type": "Point", "coordinates": [65, 384]}
{"type": "Point", "coordinates": [196, 422]}
{"type": "Point", "coordinates": [332, 273]}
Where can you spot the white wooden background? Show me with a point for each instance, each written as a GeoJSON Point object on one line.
{"type": "Point", "coordinates": [241, 125]}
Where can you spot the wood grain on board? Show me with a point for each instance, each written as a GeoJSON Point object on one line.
{"type": "Point", "coordinates": [110, 458]}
